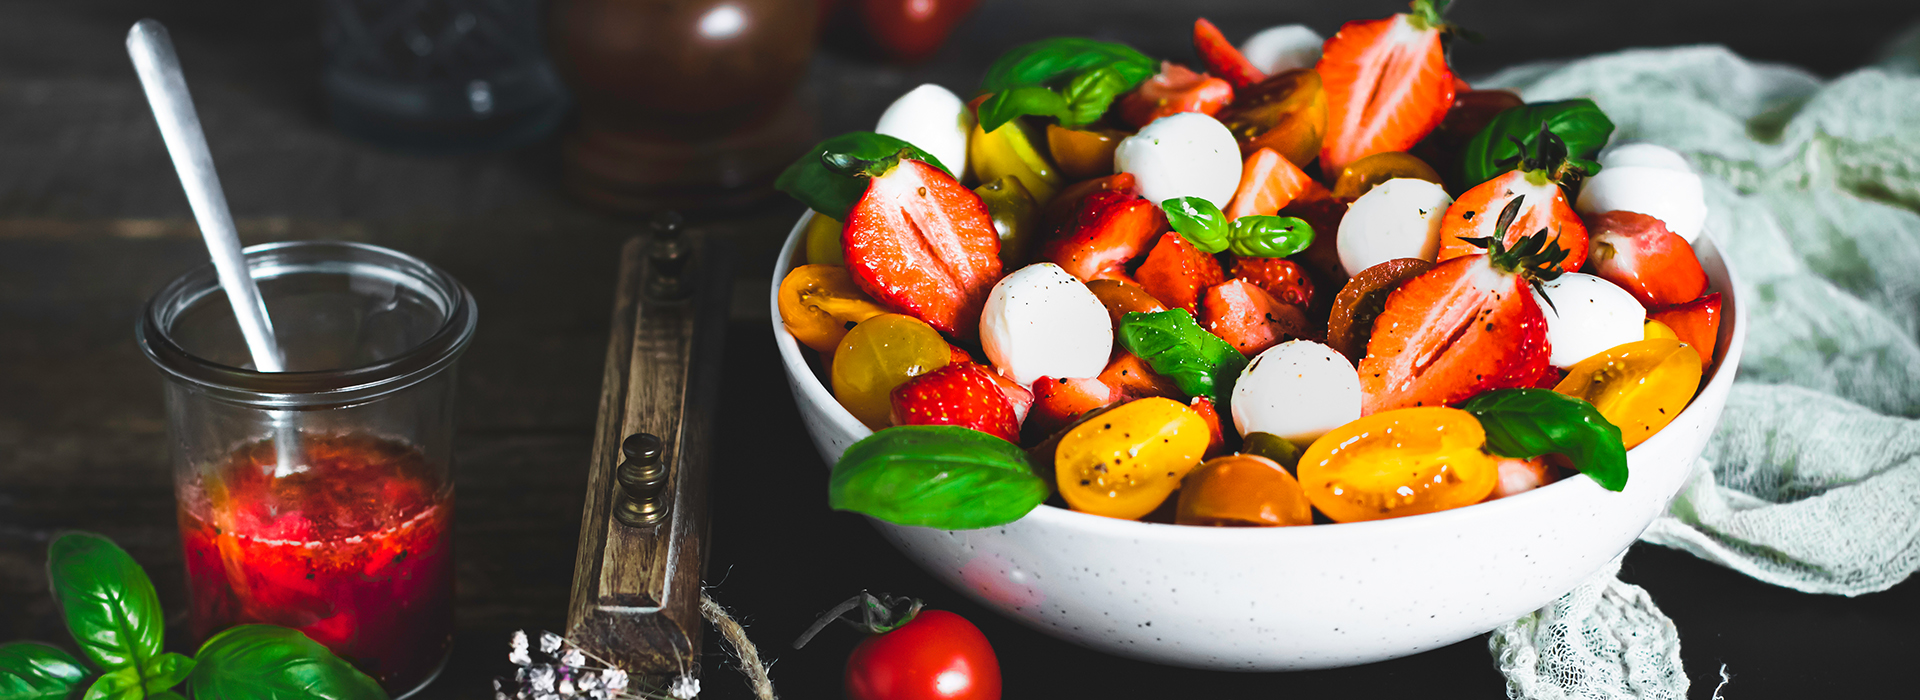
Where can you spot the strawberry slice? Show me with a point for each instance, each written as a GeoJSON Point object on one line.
{"type": "Point", "coordinates": [1538, 183]}
{"type": "Point", "coordinates": [962, 394]}
{"type": "Point", "coordinates": [1110, 230]}
{"type": "Point", "coordinates": [1177, 273]}
{"type": "Point", "coordinates": [1130, 378]}
{"type": "Point", "coordinates": [1268, 182]}
{"type": "Point", "coordinates": [919, 242]}
{"type": "Point", "coordinates": [1638, 253]}
{"type": "Point", "coordinates": [1174, 90]}
{"type": "Point", "coordinates": [1061, 211]}
{"type": "Point", "coordinates": [1387, 85]}
{"type": "Point", "coordinates": [1019, 397]}
{"type": "Point", "coordinates": [1285, 279]}
{"type": "Point", "coordinates": [1697, 323]}
{"type": "Point", "coordinates": [1221, 58]}
{"type": "Point", "coordinates": [1467, 326]}
{"type": "Point", "coordinates": [1249, 318]}
{"type": "Point", "coordinates": [1056, 402]}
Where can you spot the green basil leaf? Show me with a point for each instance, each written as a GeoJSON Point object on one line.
{"type": "Point", "coordinates": [1006, 105]}
{"type": "Point", "coordinates": [156, 676]}
{"type": "Point", "coordinates": [1200, 363]}
{"type": "Point", "coordinates": [1051, 61]}
{"type": "Point", "coordinates": [1579, 123]}
{"type": "Point", "coordinates": [268, 662]}
{"type": "Point", "coordinates": [123, 684]}
{"type": "Point", "coordinates": [1270, 236]}
{"type": "Point", "coordinates": [1198, 221]}
{"type": "Point", "coordinates": [166, 695]}
{"type": "Point", "coordinates": [830, 192]}
{"type": "Point", "coordinates": [1091, 93]}
{"type": "Point", "coordinates": [940, 476]}
{"type": "Point", "coordinates": [30, 671]}
{"type": "Point", "coordinates": [166, 671]}
{"type": "Point", "coordinates": [1527, 423]}
{"type": "Point", "coordinates": [109, 602]}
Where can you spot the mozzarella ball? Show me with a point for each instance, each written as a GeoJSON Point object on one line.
{"type": "Point", "coordinates": [935, 120]}
{"type": "Point", "coordinates": [1182, 155]}
{"type": "Point", "coordinates": [1588, 316]}
{"type": "Point", "coordinates": [1644, 154]}
{"type": "Point", "coordinates": [1297, 390]}
{"type": "Point", "coordinates": [1042, 322]}
{"type": "Point", "coordinates": [1674, 197]}
{"type": "Point", "coordinates": [1283, 48]}
{"type": "Point", "coordinates": [1400, 218]}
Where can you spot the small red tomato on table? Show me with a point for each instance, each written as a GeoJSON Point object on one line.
{"type": "Point", "coordinates": [913, 653]}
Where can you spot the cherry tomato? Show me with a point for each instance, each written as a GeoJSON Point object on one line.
{"type": "Point", "coordinates": [1242, 491]}
{"type": "Point", "coordinates": [1656, 329]}
{"type": "Point", "coordinates": [935, 656]}
{"type": "Point", "coordinates": [1639, 386]}
{"type": "Point", "coordinates": [911, 30]}
{"type": "Point", "coordinates": [880, 354]}
{"type": "Point", "coordinates": [1364, 174]}
{"type": "Point", "coordinates": [1127, 461]}
{"type": "Point", "coordinates": [1008, 152]}
{"type": "Point", "coordinates": [1122, 298]}
{"type": "Point", "coordinates": [1015, 216]}
{"type": "Point", "coordinates": [818, 302]}
{"type": "Point", "coordinates": [1083, 154]}
{"type": "Point", "coordinates": [1359, 303]}
{"type": "Point", "coordinates": [1396, 463]}
{"type": "Point", "coordinates": [823, 240]}
{"type": "Point", "coordinates": [1287, 112]}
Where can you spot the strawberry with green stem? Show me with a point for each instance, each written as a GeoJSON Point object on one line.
{"type": "Point", "coordinates": [1540, 176]}
{"type": "Point", "coordinates": [919, 242]}
{"type": "Point", "coordinates": [1387, 84]}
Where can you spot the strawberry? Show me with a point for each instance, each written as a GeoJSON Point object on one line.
{"type": "Point", "coordinates": [1387, 84]}
{"type": "Point", "coordinates": [1467, 326]}
{"type": "Point", "coordinates": [1221, 58]}
{"type": "Point", "coordinates": [1268, 182]}
{"type": "Point", "coordinates": [1110, 230]}
{"type": "Point", "coordinates": [962, 394]}
{"type": "Point", "coordinates": [1216, 445]}
{"type": "Point", "coordinates": [1638, 253]}
{"type": "Point", "coordinates": [957, 354]}
{"type": "Point", "coordinates": [1285, 279]}
{"type": "Point", "coordinates": [1537, 181]}
{"type": "Point", "coordinates": [1697, 323]}
{"type": "Point", "coordinates": [1019, 397]}
{"type": "Point", "coordinates": [1130, 378]}
{"type": "Point", "coordinates": [1056, 402]}
{"type": "Point", "coordinates": [1174, 90]}
{"type": "Point", "coordinates": [919, 242]}
{"type": "Point", "coordinates": [1177, 273]}
{"type": "Point", "coordinates": [1249, 318]}
{"type": "Point", "coordinates": [1061, 211]}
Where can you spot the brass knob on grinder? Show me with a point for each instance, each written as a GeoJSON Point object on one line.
{"type": "Point", "coordinates": [642, 477]}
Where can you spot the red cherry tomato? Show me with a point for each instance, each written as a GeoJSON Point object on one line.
{"type": "Point", "coordinates": [911, 30]}
{"type": "Point", "coordinates": [935, 656]}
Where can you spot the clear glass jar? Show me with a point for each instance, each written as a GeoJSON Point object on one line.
{"type": "Point", "coordinates": [320, 498]}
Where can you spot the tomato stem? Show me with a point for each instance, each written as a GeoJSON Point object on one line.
{"type": "Point", "coordinates": [878, 615]}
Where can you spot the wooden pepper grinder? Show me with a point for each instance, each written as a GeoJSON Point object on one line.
{"type": "Point", "coordinates": [684, 104]}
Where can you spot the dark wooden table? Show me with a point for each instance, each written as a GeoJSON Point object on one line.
{"type": "Point", "coordinates": [92, 222]}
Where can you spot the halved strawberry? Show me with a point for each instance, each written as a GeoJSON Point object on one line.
{"type": "Point", "coordinates": [1177, 273]}
{"type": "Point", "coordinates": [1061, 211]}
{"type": "Point", "coordinates": [1249, 318]}
{"type": "Point", "coordinates": [957, 354]}
{"type": "Point", "coordinates": [919, 242]}
{"type": "Point", "coordinates": [1019, 397]}
{"type": "Point", "coordinates": [1537, 183]}
{"type": "Point", "coordinates": [1174, 90]}
{"type": "Point", "coordinates": [962, 394]}
{"type": "Point", "coordinates": [1268, 182]}
{"type": "Point", "coordinates": [1056, 402]}
{"type": "Point", "coordinates": [1221, 58]}
{"type": "Point", "coordinates": [1285, 279]}
{"type": "Point", "coordinates": [1387, 84]}
{"type": "Point", "coordinates": [1130, 378]}
{"type": "Point", "coordinates": [1110, 230]}
{"type": "Point", "coordinates": [1697, 323]}
{"type": "Point", "coordinates": [1638, 253]}
{"type": "Point", "coordinates": [1216, 445]}
{"type": "Point", "coordinates": [1467, 326]}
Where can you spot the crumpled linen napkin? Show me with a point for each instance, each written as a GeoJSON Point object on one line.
{"type": "Point", "coordinates": [1812, 480]}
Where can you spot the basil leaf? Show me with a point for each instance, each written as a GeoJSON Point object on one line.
{"type": "Point", "coordinates": [1527, 423]}
{"type": "Point", "coordinates": [108, 600]}
{"type": "Point", "coordinates": [1006, 105]}
{"type": "Point", "coordinates": [30, 671]}
{"type": "Point", "coordinates": [815, 184]}
{"type": "Point", "coordinates": [166, 695]}
{"type": "Point", "coordinates": [1091, 93]}
{"type": "Point", "coordinates": [156, 676]}
{"type": "Point", "coordinates": [1200, 363]}
{"type": "Point", "coordinates": [1049, 61]}
{"type": "Point", "coordinates": [1270, 236]}
{"type": "Point", "coordinates": [1492, 152]}
{"type": "Point", "coordinates": [123, 684]}
{"type": "Point", "coordinates": [268, 662]}
{"type": "Point", "coordinates": [940, 476]}
{"type": "Point", "coordinates": [1198, 221]}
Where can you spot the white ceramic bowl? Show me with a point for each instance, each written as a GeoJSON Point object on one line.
{"type": "Point", "coordinates": [1270, 599]}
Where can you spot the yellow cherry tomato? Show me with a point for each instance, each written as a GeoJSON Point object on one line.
{"type": "Point", "coordinates": [1401, 462]}
{"type": "Point", "coordinates": [1640, 386]}
{"type": "Point", "coordinates": [1242, 491]}
{"type": "Point", "coordinates": [823, 240]}
{"type": "Point", "coordinates": [1656, 329]}
{"type": "Point", "coordinates": [1124, 463]}
{"type": "Point", "coordinates": [818, 303]}
{"type": "Point", "coordinates": [1008, 152]}
{"type": "Point", "coordinates": [1366, 173]}
{"type": "Point", "coordinates": [1083, 154]}
{"type": "Point", "coordinates": [880, 354]}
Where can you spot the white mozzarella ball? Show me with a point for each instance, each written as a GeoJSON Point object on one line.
{"type": "Point", "coordinates": [1399, 218]}
{"type": "Point", "coordinates": [1645, 155]}
{"type": "Point", "coordinates": [1298, 390]}
{"type": "Point", "coordinates": [1182, 155]}
{"type": "Point", "coordinates": [1674, 197]}
{"type": "Point", "coordinates": [934, 119]}
{"type": "Point", "coordinates": [1283, 48]}
{"type": "Point", "coordinates": [1042, 322]}
{"type": "Point", "coordinates": [1588, 316]}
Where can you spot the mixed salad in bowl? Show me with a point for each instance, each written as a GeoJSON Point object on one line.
{"type": "Point", "coordinates": [1309, 282]}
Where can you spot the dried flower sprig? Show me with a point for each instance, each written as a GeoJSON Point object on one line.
{"type": "Point", "coordinates": [562, 670]}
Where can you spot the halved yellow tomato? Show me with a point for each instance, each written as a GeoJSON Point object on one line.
{"type": "Point", "coordinates": [1401, 462]}
{"type": "Point", "coordinates": [1639, 386]}
{"type": "Point", "coordinates": [1124, 463]}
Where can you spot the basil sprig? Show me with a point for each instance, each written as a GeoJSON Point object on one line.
{"type": "Point", "coordinates": [1497, 148]}
{"type": "Point", "coordinates": [30, 671]}
{"type": "Point", "coordinates": [1259, 236]}
{"type": "Point", "coordinates": [267, 661]}
{"type": "Point", "coordinates": [822, 180]}
{"type": "Point", "coordinates": [1527, 423]}
{"type": "Point", "coordinates": [1198, 362]}
{"type": "Point", "coordinates": [940, 476]}
{"type": "Point", "coordinates": [1071, 79]}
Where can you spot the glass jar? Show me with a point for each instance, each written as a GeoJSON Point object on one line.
{"type": "Point", "coordinates": [320, 498]}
